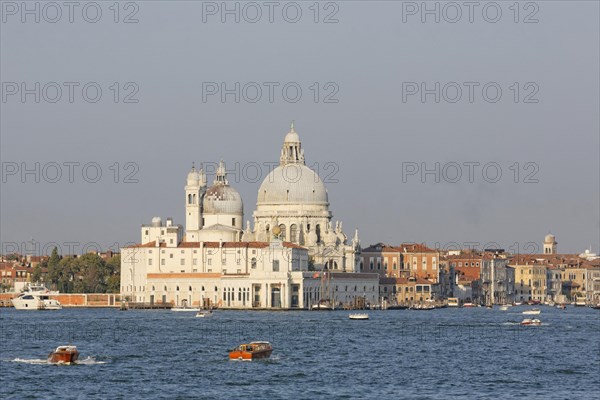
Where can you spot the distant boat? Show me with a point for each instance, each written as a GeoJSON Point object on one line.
{"type": "Point", "coordinates": [531, 322]}
{"type": "Point", "coordinates": [533, 311]}
{"type": "Point", "coordinates": [251, 351]}
{"type": "Point", "coordinates": [35, 297]}
{"type": "Point", "coordinates": [561, 306]}
{"type": "Point", "coordinates": [204, 314]}
{"type": "Point", "coordinates": [323, 305]}
{"type": "Point", "coordinates": [503, 308]}
{"type": "Point", "coordinates": [359, 316]}
{"type": "Point", "coordinates": [468, 305]}
{"type": "Point", "coordinates": [185, 308]}
{"type": "Point", "coordinates": [64, 355]}
{"type": "Point", "coordinates": [596, 307]}
{"type": "Point", "coordinates": [579, 303]}
{"type": "Point", "coordinates": [453, 302]}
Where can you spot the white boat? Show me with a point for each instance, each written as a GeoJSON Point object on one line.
{"type": "Point", "coordinates": [194, 309]}
{"type": "Point", "coordinates": [359, 316]}
{"type": "Point", "coordinates": [533, 311]}
{"type": "Point", "coordinates": [35, 297]}
{"type": "Point", "coordinates": [204, 314]}
{"type": "Point", "coordinates": [453, 302]}
{"type": "Point", "coordinates": [531, 322]}
{"type": "Point", "coordinates": [503, 308]}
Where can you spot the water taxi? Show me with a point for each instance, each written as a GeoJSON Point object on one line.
{"type": "Point", "coordinates": [251, 351]}
{"type": "Point", "coordinates": [359, 316]}
{"type": "Point", "coordinates": [64, 355]}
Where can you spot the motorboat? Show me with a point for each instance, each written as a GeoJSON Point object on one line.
{"type": "Point", "coordinates": [533, 311]}
{"type": "Point", "coordinates": [64, 355]}
{"type": "Point", "coordinates": [204, 314]}
{"type": "Point", "coordinates": [596, 307]}
{"type": "Point", "coordinates": [531, 322]}
{"type": "Point", "coordinates": [35, 297]}
{"type": "Point", "coordinates": [251, 351]}
{"type": "Point", "coordinates": [561, 306]}
{"type": "Point", "coordinates": [503, 308]}
{"type": "Point", "coordinates": [468, 305]}
{"type": "Point", "coordinates": [453, 302]}
{"type": "Point", "coordinates": [359, 316]}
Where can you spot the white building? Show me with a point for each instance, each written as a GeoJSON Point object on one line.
{"type": "Point", "coordinates": [217, 263]}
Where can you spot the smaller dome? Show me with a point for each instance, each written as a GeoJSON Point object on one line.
{"type": "Point", "coordinates": [549, 238]}
{"type": "Point", "coordinates": [156, 221]}
{"type": "Point", "coordinates": [292, 136]}
{"type": "Point", "coordinates": [193, 177]}
{"type": "Point", "coordinates": [222, 199]}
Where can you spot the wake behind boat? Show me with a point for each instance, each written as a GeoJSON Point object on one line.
{"type": "Point", "coordinates": [35, 297]}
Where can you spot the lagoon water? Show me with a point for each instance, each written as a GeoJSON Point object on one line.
{"type": "Point", "coordinates": [440, 354]}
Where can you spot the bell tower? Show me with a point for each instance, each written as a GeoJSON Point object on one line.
{"type": "Point", "coordinates": [194, 189]}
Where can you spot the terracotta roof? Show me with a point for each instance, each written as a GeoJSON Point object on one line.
{"type": "Point", "coordinates": [402, 248]}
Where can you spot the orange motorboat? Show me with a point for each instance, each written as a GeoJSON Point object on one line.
{"type": "Point", "coordinates": [251, 351]}
{"type": "Point", "coordinates": [64, 355]}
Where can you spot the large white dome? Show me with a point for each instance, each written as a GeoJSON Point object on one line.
{"type": "Point", "coordinates": [292, 184]}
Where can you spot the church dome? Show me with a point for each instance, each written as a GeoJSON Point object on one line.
{"type": "Point", "coordinates": [222, 199]}
{"type": "Point", "coordinates": [292, 183]}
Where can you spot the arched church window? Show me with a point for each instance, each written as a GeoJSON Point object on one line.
{"type": "Point", "coordinates": [189, 199]}
{"type": "Point", "coordinates": [283, 233]}
{"type": "Point", "coordinates": [178, 288]}
{"type": "Point", "coordinates": [293, 233]}
{"type": "Point", "coordinates": [190, 288]}
{"type": "Point", "coordinates": [194, 199]}
{"type": "Point", "coordinates": [318, 232]}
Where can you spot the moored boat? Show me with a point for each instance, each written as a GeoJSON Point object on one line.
{"type": "Point", "coordinates": [359, 316]}
{"type": "Point", "coordinates": [251, 351]}
{"type": "Point", "coordinates": [468, 305]}
{"type": "Point", "coordinates": [64, 355]}
{"type": "Point", "coordinates": [561, 306]}
{"type": "Point", "coordinates": [181, 309]}
{"type": "Point", "coordinates": [531, 322]}
{"type": "Point", "coordinates": [323, 305]}
{"type": "Point", "coordinates": [533, 311]}
{"type": "Point", "coordinates": [503, 308]}
{"type": "Point", "coordinates": [35, 297]}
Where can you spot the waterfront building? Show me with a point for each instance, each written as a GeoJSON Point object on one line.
{"type": "Point", "coordinates": [497, 278]}
{"type": "Point", "coordinates": [406, 291]}
{"type": "Point", "coordinates": [530, 281]}
{"type": "Point", "coordinates": [293, 257]}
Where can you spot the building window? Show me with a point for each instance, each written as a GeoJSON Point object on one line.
{"type": "Point", "coordinates": [209, 262]}
{"type": "Point", "coordinates": [149, 261]}
{"type": "Point", "coordinates": [171, 255]}
{"type": "Point", "coordinates": [146, 232]}
{"type": "Point", "coordinates": [162, 262]}
{"type": "Point", "coordinates": [232, 221]}
{"type": "Point", "coordinates": [371, 265]}
{"type": "Point", "coordinates": [195, 261]}
{"type": "Point", "coordinates": [182, 261]}
{"type": "Point", "coordinates": [293, 233]}
{"type": "Point", "coordinates": [253, 262]}
{"type": "Point", "coordinates": [275, 265]}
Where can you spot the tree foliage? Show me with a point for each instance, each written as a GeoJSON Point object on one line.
{"type": "Point", "coordinates": [89, 273]}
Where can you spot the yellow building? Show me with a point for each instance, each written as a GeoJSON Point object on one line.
{"type": "Point", "coordinates": [530, 282]}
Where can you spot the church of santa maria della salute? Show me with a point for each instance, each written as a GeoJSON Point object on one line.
{"type": "Point", "coordinates": [293, 257]}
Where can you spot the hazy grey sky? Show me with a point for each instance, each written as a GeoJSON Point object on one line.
{"type": "Point", "coordinates": [372, 60]}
